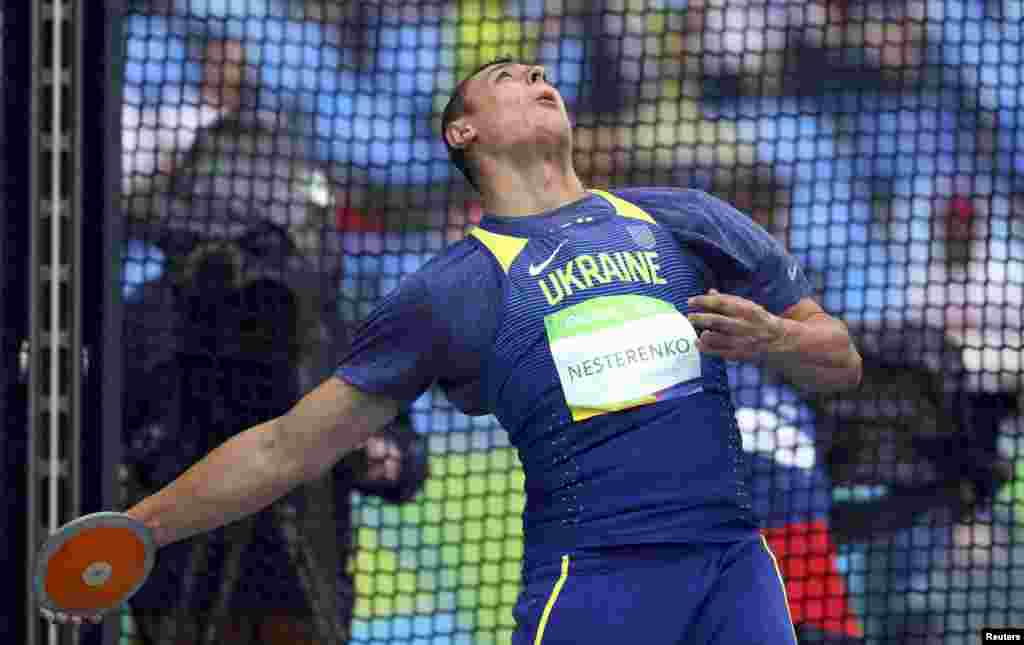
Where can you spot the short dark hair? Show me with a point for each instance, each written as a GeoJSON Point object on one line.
{"type": "Point", "coordinates": [456, 109]}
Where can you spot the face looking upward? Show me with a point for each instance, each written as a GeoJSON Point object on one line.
{"type": "Point", "coordinates": [510, 107]}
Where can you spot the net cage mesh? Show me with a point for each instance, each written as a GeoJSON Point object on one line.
{"type": "Point", "coordinates": [283, 170]}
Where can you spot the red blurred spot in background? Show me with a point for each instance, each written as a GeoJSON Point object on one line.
{"type": "Point", "coordinates": [359, 220]}
{"type": "Point", "coordinates": [959, 216]}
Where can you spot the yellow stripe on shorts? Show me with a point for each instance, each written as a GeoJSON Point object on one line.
{"type": "Point", "coordinates": [782, 582]}
{"type": "Point", "coordinates": [551, 601]}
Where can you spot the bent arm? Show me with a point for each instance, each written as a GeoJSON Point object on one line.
{"type": "Point", "coordinates": [256, 467]}
{"type": "Point", "coordinates": [816, 353]}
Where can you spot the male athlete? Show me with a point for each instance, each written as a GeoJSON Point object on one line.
{"type": "Point", "coordinates": [573, 316]}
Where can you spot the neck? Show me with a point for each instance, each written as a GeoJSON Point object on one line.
{"type": "Point", "coordinates": [518, 190]}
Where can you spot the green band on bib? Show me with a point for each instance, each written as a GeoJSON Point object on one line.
{"type": "Point", "coordinates": [602, 313]}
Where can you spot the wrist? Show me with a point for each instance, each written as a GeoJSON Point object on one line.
{"type": "Point", "coordinates": [138, 513]}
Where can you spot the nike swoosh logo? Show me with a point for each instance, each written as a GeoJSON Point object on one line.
{"type": "Point", "coordinates": [535, 269]}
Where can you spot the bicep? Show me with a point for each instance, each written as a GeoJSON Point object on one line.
{"type": "Point", "coordinates": [331, 421]}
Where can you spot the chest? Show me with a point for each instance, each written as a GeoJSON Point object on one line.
{"type": "Point", "coordinates": [596, 318]}
{"type": "Point", "coordinates": [613, 258]}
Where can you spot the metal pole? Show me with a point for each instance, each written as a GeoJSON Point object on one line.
{"type": "Point", "coordinates": [54, 439]}
{"type": "Point", "coordinates": [57, 213]}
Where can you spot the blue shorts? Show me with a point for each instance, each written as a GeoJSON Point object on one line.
{"type": "Point", "coordinates": [663, 594]}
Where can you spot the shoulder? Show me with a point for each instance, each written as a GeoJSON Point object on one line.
{"type": "Point", "coordinates": [457, 293]}
{"type": "Point", "coordinates": [665, 196]}
{"type": "Point", "coordinates": [714, 229]}
{"type": "Point", "coordinates": [675, 204]}
{"type": "Point", "coordinates": [460, 268]}
{"type": "Point", "coordinates": [454, 260]}
{"type": "Point", "coordinates": [686, 210]}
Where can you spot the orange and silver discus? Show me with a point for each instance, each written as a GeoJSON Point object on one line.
{"type": "Point", "coordinates": [94, 563]}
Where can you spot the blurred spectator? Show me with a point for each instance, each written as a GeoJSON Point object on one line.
{"type": "Point", "coordinates": [231, 313]}
{"type": "Point", "coordinates": [602, 55]}
{"type": "Point", "coordinates": [791, 491]}
{"type": "Point", "coordinates": [928, 448]}
{"type": "Point", "coordinates": [915, 428]}
{"type": "Point", "coordinates": [156, 136]}
{"type": "Point", "coordinates": [756, 190]}
{"type": "Point", "coordinates": [976, 45]}
{"type": "Point", "coordinates": [887, 37]}
{"type": "Point", "coordinates": [667, 139]}
{"type": "Point", "coordinates": [375, 118]}
{"type": "Point", "coordinates": [979, 298]}
{"type": "Point", "coordinates": [792, 497]}
{"type": "Point", "coordinates": [660, 133]}
{"type": "Point", "coordinates": [155, 62]}
{"type": "Point", "coordinates": [373, 115]}
{"type": "Point", "coordinates": [875, 154]}
{"type": "Point", "coordinates": [618, 68]}
{"type": "Point", "coordinates": [255, 150]}
{"type": "Point", "coordinates": [748, 44]}
{"type": "Point", "coordinates": [213, 346]}
{"type": "Point", "coordinates": [900, 214]}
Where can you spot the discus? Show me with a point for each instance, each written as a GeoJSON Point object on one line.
{"type": "Point", "coordinates": [94, 564]}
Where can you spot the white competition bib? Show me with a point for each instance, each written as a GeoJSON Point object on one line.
{"type": "Point", "coordinates": [618, 352]}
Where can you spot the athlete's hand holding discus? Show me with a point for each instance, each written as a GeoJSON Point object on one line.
{"type": "Point", "coordinates": [738, 329]}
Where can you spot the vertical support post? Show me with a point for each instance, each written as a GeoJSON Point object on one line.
{"type": "Point", "coordinates": [54, 348]}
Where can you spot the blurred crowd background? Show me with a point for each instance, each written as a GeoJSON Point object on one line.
{"type": "Point", "coordinates": [288, 151]}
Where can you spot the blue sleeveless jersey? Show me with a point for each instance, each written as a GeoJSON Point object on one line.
{"type": "Point", "coordinates": [570, 327]}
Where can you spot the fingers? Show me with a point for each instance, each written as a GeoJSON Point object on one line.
{"type": "Point", "coordinates": [64, 618]}
{"type": "Point", "coordinates": [726, 305]}
{"type": "Point", "coordinates": [719, 323]}
{"type": "Point", "coordinates": [723, 313]}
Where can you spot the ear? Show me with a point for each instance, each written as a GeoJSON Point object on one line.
{"type": "Point", "coordinates": [460, 134]}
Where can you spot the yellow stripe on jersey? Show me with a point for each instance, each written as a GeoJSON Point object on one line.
{"type": "Point", "coordinates": [624, 208]}
{"type": "Point", "coordinates": [580, 414]}
{"type": "Point", "coordinates": [551, 601]}
{"type": "Point", "coordinates": [505, 248]}
{"type": "Point", "coordinates": [782, 582]}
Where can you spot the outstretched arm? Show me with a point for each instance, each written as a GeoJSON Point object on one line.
{"type": "Point", "coordinates": [256, 467]}
{"type": "Point", "coordinates": [810, 348]}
